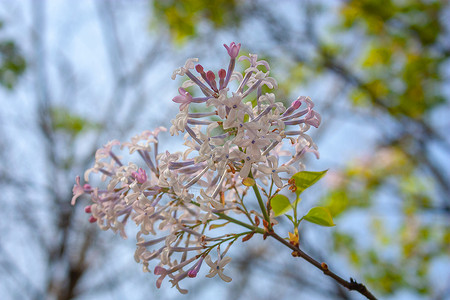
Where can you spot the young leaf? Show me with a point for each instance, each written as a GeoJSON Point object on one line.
{"type": "Point", "coordinates": [214, 226]}
{"type": "Point", "coordinates": [305, 179]}
{"type": "Point", "coordinates": [320, 216]}
{"type": "Point", "coordinates": [290, 218]}
{"type": "Point", "coordinates": [281, 205]}
{"type": "Point", "coordinates": [65, 121]}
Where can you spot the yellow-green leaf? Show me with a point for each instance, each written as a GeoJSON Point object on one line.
{"type": "Point", "coordinates": [214, 226]}
{"type": "Point", "coordinates": [305, 179]}
{"type": "Point", "coordinates": [320, 216]}
{"type": "Point", "coordinates": [281, 204]}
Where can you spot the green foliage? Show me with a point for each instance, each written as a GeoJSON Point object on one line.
{"type": "Point", "coordinates": [320, 216]}
{"type": "Point", "coordinates": [183, 17]}
{"type": "Point", "coordinates": [305, 179]}
{"type": "Point", "coordinates": [416, 242]}
{"type": "Point", "coordinates": [65, 121]}
{"type": "Point", "coordinates": [12, 63]}
{"type": "Point", "coordinates": [301, 181]}
{"type": "Point", "coordinates": [281, 204]}
{"type": "Point", "coordinates": [401, 64]}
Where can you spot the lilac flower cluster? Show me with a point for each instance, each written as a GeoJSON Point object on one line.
{"type": "Point", "coordinates": [239, 139]}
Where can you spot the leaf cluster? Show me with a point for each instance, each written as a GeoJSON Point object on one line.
{"type": "Point", "coordinates": [281, 204]}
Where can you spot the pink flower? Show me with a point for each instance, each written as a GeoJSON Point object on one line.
{"type": "Point", "coordinates": [88, 209]}
{"type": "Point", "coordinates": [77, 190]}
{"type": "Point", "coordinates": [233, 49]}
{"type": "Point", "coordinates": [140, 176]}
{"type": "Point", "coordinates": [296, 104]}
{"type": "Point", "coordinates": [185, 98]}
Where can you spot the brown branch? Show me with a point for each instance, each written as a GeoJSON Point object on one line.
{"type": "Point", "coordinates": [351, 285]}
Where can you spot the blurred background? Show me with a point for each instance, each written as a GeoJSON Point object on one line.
{"type": "Point", "coordinates": [76, 74]}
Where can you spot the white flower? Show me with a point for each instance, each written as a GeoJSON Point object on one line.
{"type": "Point", "coordinates": [106, 150]}
{"type": "Point", "coordinates": [142, 218]}
{"type": "Point", "coordinates": [237, 110]}
{"type": "Point", "coordinates": [205, 199]}
{"type": "Point", "coordinates": [254, 142]}
{"type": "Point", "coordinates": [179, 122]}
{"type": "Point", "coordinates": [269, 98]}
{"type": "Point", "coordinates": [273, 170]}
{"type": "Point", "coordinates": [249, 160]}
{"type": "Point", "coordinates": [187, 66]}
{"type": "Point", "coordinates": [140, 142]}
{"type": "Point", "coordinates": [217, 267]}
{"type": "Point", "coordinates": [237, 135]}
{"type": "Point", "coordinates": [218, 103]}
{"type": "Point", "coordinates": [253, 59]}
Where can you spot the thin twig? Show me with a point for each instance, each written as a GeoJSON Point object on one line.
{"type": "Point", "coordinates": [351, 285]}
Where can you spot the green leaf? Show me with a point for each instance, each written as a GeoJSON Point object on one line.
{"type": "Point", "coordinates": [290, 218]}
{"type": "Point", "coordinates": [305, 179]}
{"type": "Point", "coordinates": [320, 216]}
{"type": "Point", "coordinates": [12, 64]}
{"type": "Point", "coordinates": [281, 204]}
{"type": "Point", "coordinates": [66, 121]}
{"type": "Point", "coordinates": [185, 18]}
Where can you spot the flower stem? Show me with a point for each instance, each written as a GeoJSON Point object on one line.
{"type": "Point", "coordinates": [260, 201]}
{"type": "Point", "coordinates": [351, 285]}
{"type": "Point", "coordinates": [235, 221]}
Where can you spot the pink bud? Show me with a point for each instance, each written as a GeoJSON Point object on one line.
{"type": "Point", "coordinates": [88, 209]}
{"type": "Point", "coordinates": [210, 75]}
{"type": "Point", "coordinates": [296, 104]}
{"type": "Point", "coordinates": [192, 273]}
{"type": "Point", "coordinates": [92, 219]}
{"type": "Point", "coordinates": [233, 49]}
{"type": "Point", "coordinates": [222, 73]}
{"type": "Point", "coordinates": [199, 68]}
